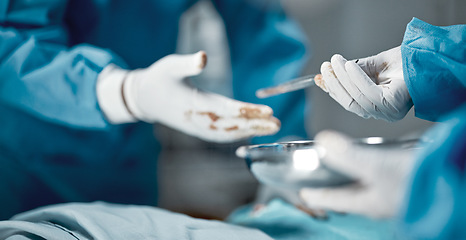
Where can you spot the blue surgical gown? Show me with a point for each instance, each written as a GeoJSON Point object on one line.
{"type": "Point", "coordinates": [434, 61]}
{"type": "Point", "coordinates": [434, 65]}
{"type": "Point", "coordinates": [55, 144]}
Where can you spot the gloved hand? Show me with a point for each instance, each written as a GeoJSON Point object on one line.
{"type": "Point", "coordinates": [370, 87]}
{"type": "Point", "coordinates": [160, 94]}
{"type": "Point", "coordinates": [381, 174]}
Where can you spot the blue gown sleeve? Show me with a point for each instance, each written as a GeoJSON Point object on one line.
{"type": "Point", "coordinates": [266, 48]}
{"type": "Point", "coordinates": [40, 73]}
{"type": "Point", "coordinates": [436, 204]}
{"type": "Point", "coordinates": [434, 64]}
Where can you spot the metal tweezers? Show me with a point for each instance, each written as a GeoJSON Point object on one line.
{"type": "Point", "coordinates": [292, 85]}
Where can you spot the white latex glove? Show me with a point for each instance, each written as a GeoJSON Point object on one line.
{"type": "Point", "coordinates": [160, 94]}
{"type": "Point", "coordinates": [381, 174]}
{"type": "Point", "coordinates": [370, 87]}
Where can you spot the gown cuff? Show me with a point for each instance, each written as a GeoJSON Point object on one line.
{"type": "Point", "coordinates": [110, 95]}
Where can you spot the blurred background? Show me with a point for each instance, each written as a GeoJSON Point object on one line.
{"type": "Point", "coordinates": [207, 180]}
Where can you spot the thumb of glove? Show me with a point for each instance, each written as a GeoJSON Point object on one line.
{"type": "Point", "coordinates": [338, 153]}
{"type": "Point", "coordinates": [345, 155]}
{"type": "Point", "coordinates": [180, 66]}
{"type": "Point", "coordinates": [384, 66]}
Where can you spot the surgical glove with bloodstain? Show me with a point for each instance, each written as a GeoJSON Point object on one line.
{"type": "Point", "coordinates": [160, 93]}
{"type": "Point", "coordinates": [370, 87]}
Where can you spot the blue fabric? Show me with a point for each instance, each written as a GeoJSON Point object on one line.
{"type": "Point", "coordinates": [434, 65]}
{"type": "Point", "coordinates": [53, 133]}
{"type": "Point", "coordinates": [434, 60]}
{"type": "Point", "coordinates": [436, 206]}
{"type": "Point", "coordinates": [275, 55]}
{"type": "Point", "coordinates": [98, 220]}
{"type": "Point", "coordinates": [282, 221]}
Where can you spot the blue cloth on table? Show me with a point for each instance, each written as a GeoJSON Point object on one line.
{"type": "Point", "coordinates": [283, 221]}
{"type": "Point", "coordinates": [99, 220]}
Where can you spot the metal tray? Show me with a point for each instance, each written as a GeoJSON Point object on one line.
{"type": "Point", "coordinates": [298, 164]}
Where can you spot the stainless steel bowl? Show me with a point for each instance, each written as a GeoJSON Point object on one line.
{"type": "Point", "coordinates": [298, 164]}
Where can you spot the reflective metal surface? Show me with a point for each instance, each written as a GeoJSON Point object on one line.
{"type": "Point", "coordinates": [298, 164]}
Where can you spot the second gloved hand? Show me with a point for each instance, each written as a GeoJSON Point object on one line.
{"type": "Point", "coordinates": [370, 87]}
{"type": "Point", "coordinates": [160, 94]}
{"type": "Point", "coordinates": [382, 176]}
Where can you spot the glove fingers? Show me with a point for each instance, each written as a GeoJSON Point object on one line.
{"type": "Point", "coordinates": [338, 64]}
{"type": "Point", "coordinates": [368, 65]}
{"type": "Point", "coordinates": [225, 130]}
{"type": "Point", "coordinates": [367, 87]}
{"type": "Point", "coordinates": [319, 81]}
{"type": "Point", "coordinates": [344, 155]}
{"type": "Point", "coordinates": [241, 128]}
{"type": "Point", "coordinates": [338, 93]}
{"type": "Point", "coordinates": [227, 107]}
{"type": "Point", "coordinates": [227, 120]}
{"type": "Point", "coordinates": [182, 65]}
{"type": "Point", "coordinates": [345, 199]}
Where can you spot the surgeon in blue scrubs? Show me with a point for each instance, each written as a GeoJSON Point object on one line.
{"type": "Point", "coordinates": [424, 189]}
{"type": "Point", "coordinates": [82, 82]}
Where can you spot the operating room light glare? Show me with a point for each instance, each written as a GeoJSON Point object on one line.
{"type": "Point", "coordinates": [374, 140]}
{"type": "Point", "coordinates": [306, 160]}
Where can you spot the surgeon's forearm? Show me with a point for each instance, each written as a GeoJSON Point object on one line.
{"type": "Point", "coordinates": [51, 81]}
{"type": "Point", "coordinates": [434, 63]}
